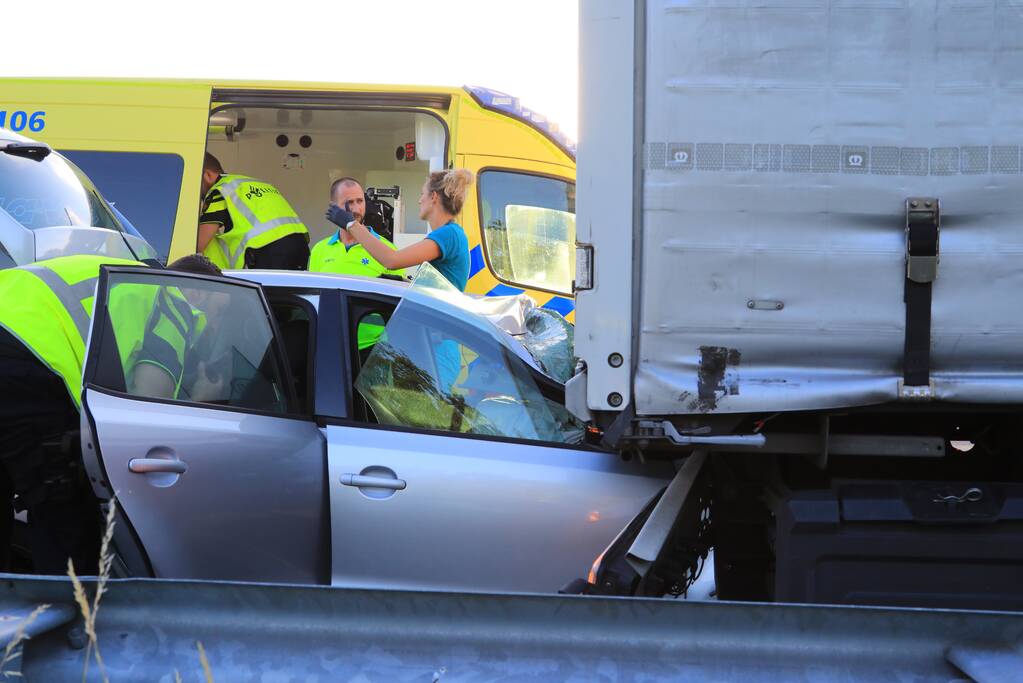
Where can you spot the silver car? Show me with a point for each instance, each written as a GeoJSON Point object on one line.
{"type": "Point", "coordinates": [310, 444]}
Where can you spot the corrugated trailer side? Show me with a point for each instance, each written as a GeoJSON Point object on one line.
{"type": "Point", "coordinates": [767, 157]}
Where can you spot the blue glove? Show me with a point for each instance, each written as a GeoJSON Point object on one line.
{"type": "Point", "coordinates": [338, 216]}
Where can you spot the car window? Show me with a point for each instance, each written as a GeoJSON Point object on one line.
{"type": "Point", "coordinates": [144, 187]}
{"type": "Point", "coordinates": [51, 192]}
{"type": "Point", "coordinates": [191, 340]}
{"type": "Point", "coordinates": [6, 261]}
{"type": "Point", "coordinates": [529, 228]}
{"type": "Point", "coordinates": [432, 368]}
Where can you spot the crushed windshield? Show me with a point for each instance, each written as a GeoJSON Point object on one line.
{"type": "Point", "coordinates": [550, 339]}
{"type": "Point", "coordinates": [440, 366]}
{"type": "Point", "coordinates": [51, 192]}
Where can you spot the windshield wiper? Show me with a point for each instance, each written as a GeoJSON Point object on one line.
{"type": "Point", "coordinates": [29, 150]}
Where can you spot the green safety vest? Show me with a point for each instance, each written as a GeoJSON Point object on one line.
{"type": "Point", "coordinates": [331, 255]}
{"type": "Point", "coordinates": [48, 307]}
{"type": "Point", "coordinates": [259, 215]}
{"type": "Point", "coordinates": [371, 328]}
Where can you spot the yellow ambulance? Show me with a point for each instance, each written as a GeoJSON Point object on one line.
{"type": "Point", "coordinates": [142, 142]}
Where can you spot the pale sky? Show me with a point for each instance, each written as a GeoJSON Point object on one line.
{"type": "Point", "coordinates": [528, 48]}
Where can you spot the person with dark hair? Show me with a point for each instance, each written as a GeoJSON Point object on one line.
{"type": "Point", "coordinates": [197, 264]}
{"type": "Point", "coordinates": [247, 223]}
{"type": "Point", "coordinates": [446, 247]}
{"type": "Point", "coordinates": [341, 253]}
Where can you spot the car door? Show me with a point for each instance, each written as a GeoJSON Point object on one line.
{"type": "Point", "coordinates": [217, 478]}
{"type": "Point", "coordinates": [465, 486]}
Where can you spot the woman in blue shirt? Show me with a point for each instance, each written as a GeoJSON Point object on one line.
{"type": "Point", "coordinates": [446, 247]}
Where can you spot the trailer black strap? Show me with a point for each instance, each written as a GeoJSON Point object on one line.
{"type": "Point", "coordinates": [916, 370]}
{"type": "Point", "coordinates": [922, 231]}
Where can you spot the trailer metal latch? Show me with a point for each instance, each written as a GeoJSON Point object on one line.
{"type": "Point", "coordinates": [583, 268]}
{"type": "Point", "coordinates": [919, 392]}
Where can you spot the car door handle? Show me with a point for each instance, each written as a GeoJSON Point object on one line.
{"type": "Point", "coordinates": [149, 465]}
{"type": "Point", "coordinates": [374, 482]}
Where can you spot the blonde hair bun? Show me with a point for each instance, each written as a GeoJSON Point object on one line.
{"type": "Point", "coordinates": [452, 185]}
{"type": "Point", "coordinates": [457, 182]}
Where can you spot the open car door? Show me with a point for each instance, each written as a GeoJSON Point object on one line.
{"type": "Point", "coordinates": [187, 419]}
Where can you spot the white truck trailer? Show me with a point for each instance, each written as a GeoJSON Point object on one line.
{"type": "Point", "coordinates": [799, 267]}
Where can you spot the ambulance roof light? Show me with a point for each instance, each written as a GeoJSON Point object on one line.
{"type": "Point", "coordinates": [507, 104]}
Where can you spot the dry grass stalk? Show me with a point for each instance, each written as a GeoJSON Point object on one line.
{"type": "Point", "coordinates": [83, 605]}
{"type": "Point", "coordinates": [13, 651]}
{"type": "Point", "coordinates": [205, 662]}
{"type": "Point", "coordinates": [89, 612]}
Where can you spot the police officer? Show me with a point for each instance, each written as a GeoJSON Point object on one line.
{"type": "Point", "coordinates": [44, 322]}
{"type": "Point", "coordinates": [246, 223]}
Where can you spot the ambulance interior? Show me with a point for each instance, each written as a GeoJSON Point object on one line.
{"type": "Point", "coordinates": [302, 151]}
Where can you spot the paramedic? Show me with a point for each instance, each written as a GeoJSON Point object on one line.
{"type": "Point", "coordinates": [446, 247]}
{"type": "Point", "coordinates": [341, 253]}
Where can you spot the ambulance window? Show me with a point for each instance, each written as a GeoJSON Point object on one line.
{"type": "Point", "coordinates": [529, 229]}
{"type": "Point", "coordinates": [144, 187]}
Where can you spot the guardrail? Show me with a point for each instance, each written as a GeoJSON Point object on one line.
{"type": "Point", "coordinates": [149, 629]}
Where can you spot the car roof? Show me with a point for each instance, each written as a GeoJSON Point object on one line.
{"type": "Point", "coordinates": [300, 279]}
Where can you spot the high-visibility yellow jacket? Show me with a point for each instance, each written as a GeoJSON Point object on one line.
{"type": "Point", "coordinates": [48, 307]}
{"type": "Point", "coordinates": [259, 215]}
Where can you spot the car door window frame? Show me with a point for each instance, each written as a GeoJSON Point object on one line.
{"type": "Point", "coordinates": [96, 366]}
{"type": "Point", "coordinates": [357, 306]}
{"type": "Point", "coordinates": [293, 297]}
{"type": "Point", "coordinates": [331, 399]}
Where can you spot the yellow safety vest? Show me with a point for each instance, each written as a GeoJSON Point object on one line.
{"type": "Point", "coordinates": [259, 215]}
{"type": "Point", "coordinates": [154, 326]}
{"type": "Point", "coordinates": [48, 307]}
